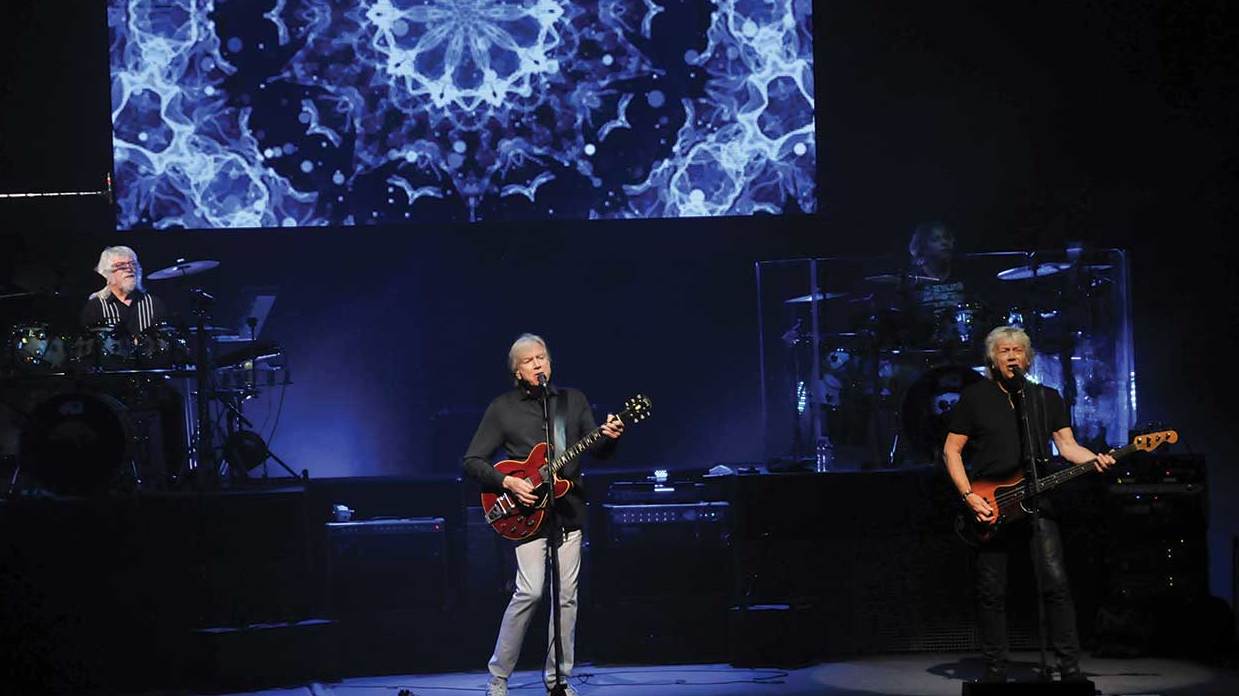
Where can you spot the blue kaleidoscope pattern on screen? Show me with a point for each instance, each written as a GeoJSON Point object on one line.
{"type": "Point", "coordinates": [253, 113]}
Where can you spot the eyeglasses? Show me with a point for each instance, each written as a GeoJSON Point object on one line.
{"type": "Point", "coordinates": [118, 267]}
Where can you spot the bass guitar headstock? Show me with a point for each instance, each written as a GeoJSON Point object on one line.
{"type": "Point", "coordinates": [1150, 441]}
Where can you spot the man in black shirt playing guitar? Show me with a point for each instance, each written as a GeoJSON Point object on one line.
{"type": "Point", "coordinates": [985, 423]}
{"type": "Point", "coordinates": [513, 423]}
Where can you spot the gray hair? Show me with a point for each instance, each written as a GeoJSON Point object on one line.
{"type": "Point", "coordinates": [1007, 333]}
{"type": "Point", "coordinates": [522, 340]}
{"type": "Point", "coordinates": [104, 267]}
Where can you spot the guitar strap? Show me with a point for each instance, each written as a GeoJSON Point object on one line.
{"type": "Point", "coordinates": [559, 424]}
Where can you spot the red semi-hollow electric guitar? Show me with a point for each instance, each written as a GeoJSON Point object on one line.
{"type": "Point", "coordinates": [1009, 496]}
{"type": "Point", "coordinates": [515, 520]}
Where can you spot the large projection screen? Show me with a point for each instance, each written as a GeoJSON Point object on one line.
{"type": "Point", "coordinates": [278, 113]}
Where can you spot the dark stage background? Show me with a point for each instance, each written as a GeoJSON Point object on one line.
{"type": "Point", "coordinates": [1022, 124]}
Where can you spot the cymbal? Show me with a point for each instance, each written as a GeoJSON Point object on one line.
{"type": "Point", "coordinates": [212, 330]}
{"type": "Point", "coordinates": [895, 278]}
{"type": "Point", "coordinates": [849, 339]}
{"type": "Point", "coordinates": [817, 296]}
{"type": "Point", "coordinates": [1039, 270]}
{"type": "Point", "coordinates": [182, 268]}
{"type": "Point", "coordinates": [1044, 269]}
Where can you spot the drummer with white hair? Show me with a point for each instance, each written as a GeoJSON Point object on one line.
{"type": "Point", "coordinates": [122, 300]}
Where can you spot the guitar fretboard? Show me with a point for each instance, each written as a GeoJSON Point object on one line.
{"type": "Point", "coordinates": [580, 447]}
{"type": "Point", "coordinates": [1058, 478]}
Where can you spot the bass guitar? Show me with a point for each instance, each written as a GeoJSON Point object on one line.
{"type": "Point", "coordinates": [515, 520]}
{"type": "Point", "coordinates": [1011, 497]}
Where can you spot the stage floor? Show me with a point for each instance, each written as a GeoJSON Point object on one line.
{"type": "Point", "coordinates": [911, 675]}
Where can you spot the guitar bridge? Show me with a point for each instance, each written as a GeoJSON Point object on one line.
{"type": "Point", "coordinates": [501, 507]}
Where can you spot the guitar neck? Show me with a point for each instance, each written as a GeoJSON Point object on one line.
{"type": "Point", "coordinates": [636, 409]}
{"type": "Point", "coordinates": [576, 450]}
{"type": "Point", "coordinates": [1058, 478]}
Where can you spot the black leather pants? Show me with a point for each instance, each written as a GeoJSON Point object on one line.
{"type": "Point", "coordinates": [991, 590]}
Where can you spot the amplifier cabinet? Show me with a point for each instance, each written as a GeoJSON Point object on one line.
{"type": "Point", "coordinates": [378, 566]}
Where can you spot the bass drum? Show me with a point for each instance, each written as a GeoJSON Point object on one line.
{"type": "Point", "coordinates": [926, 411]}
{"type": "Point", "coordinates": [76, 443]}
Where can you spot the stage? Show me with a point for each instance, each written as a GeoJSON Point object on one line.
{"type": "Point", "coordinates": [905, 675]}
{"type": "Point", "coordinates": [266, 262]}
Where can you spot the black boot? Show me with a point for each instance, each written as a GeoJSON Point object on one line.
{"type": "Point", "coordinates": [1070, 672]}
{"type": "Point", "coordinates": [994, 672]}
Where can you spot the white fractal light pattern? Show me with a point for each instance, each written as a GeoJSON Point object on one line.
{"type": "Point", "coordinates": [322, 112]}
{"type": "Point", "coordinates": [466, 52]}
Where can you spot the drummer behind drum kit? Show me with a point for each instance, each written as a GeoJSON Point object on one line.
{"type": "Point", "coordinates": [886, 387]}
{"type": "Point", "coordinates": [101, 409]}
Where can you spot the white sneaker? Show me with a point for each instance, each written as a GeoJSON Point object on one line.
{"type": "Point", "coordinates": [497, 686]}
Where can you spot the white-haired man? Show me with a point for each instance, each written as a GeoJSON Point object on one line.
{"type": "Point", "coordinates": [986, 421]}
{"type": "Point", "coordinates": [122, 300]}
{"type": "Point", "coordinates": [513, 423]}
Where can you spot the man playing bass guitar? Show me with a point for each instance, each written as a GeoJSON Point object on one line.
{"type": "Point", "coordinates": [514, 423]}
{"type": "Point", "coordinates": [985, 426]}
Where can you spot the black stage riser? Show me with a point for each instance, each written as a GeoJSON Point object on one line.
{"type": "Point", "coordinates": [1080, 688]}
{"type": "Point", "coordinates": [766, 570]}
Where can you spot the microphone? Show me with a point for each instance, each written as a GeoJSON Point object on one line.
{"type": "Point", "coordinates": [541, 380]}
{"type": "Point", "coordinates": [1017, 376]}
{"type": "Point", "coordinates": [108, 190]}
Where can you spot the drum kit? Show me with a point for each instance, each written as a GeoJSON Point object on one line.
{"type": "Point", "coordinates": [880, 392]}
{"type": "Point", "coordinates": [100, 409]}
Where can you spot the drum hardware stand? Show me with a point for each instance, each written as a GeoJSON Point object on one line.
{"type": "Point", "coordinates": [238, 435]}
{"type": "Point", "coordinates": [207, 472]}
{"type": "Point", "coordinates": [241, 437]}
{"type": "Point", "coordinates": [797, 427]}
{"type": "Point", "coordinates": [874, 348]}
{"type": "Point", "coordinates": [17, 463]}
{"type": "Point", "coordinates": [252, 388]}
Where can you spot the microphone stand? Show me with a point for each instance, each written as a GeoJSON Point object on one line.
{"type": "Point", "coordinates": [1031, 488]}
{"type": "Point", "coordinates": [554, 535]}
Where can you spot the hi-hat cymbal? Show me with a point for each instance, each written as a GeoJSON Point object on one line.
{"type": "Point", "coordinates": [817, 296]}
{"type": "Point", "coordinates": [895, 278]}
{"type": "Point", "coordinates": [182, 268]}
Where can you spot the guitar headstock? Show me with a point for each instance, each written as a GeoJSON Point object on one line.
{"type": "Point", "coordinates": [1152, 440]}
{"type": "Point", "coordinates": [636, 409]}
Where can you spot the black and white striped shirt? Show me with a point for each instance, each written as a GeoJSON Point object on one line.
{"type": "Point", "coordinates": [145, 311]}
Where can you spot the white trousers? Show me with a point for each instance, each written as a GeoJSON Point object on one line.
{"type": "Point", "coordinates": [531, 584]}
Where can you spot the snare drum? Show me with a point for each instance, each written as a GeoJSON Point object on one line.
{"type": "Point", "coordinates": [35, 348]}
